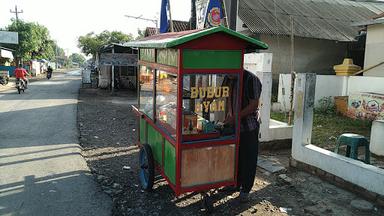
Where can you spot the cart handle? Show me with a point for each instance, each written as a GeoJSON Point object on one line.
{"type": "Point", "coordinates": [136, 111]}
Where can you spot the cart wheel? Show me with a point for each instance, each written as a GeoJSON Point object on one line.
{"type": "Point", "coordinates": [147, 170]}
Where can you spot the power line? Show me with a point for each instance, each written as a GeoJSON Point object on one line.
{"type": "Point", "coordinates": [146, 19]}
{"type": "Point", "coordinates": [16, 12]}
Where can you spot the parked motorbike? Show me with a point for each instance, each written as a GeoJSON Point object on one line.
{"type": "Point", "coordinates": [20, 85]}
{"type": "Point", "coordinates": [3, 81]}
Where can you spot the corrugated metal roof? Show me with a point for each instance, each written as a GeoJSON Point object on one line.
{"type": "Point", "coordinates": [178, 26]}
{"type": "Point", "coordinates": [322, 19]}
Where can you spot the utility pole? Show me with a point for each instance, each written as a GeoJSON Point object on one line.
{"type": "Point", "coordinates": [192, 21]}
{"type": "Point", "coordinates": [16, 12]}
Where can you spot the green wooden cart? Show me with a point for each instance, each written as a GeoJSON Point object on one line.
{"type": "Point", "coordinates": [189, 83]}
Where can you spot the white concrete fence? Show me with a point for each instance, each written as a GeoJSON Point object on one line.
{"type": "Point", "coordinates": [354, 171]}
{"type": "Point", "coordinates": [261, 65]}
{"type": "Point", "coordinates": [330, 85]}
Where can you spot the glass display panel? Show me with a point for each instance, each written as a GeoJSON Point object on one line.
{"type": "Point", "coordinates": [166, 100]}
{"type": "Point", "coordinates": [146, 90]}
{"type": "Point", "coordinates": [209, 106]}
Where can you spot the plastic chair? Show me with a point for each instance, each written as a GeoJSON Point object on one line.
{"type": "Point", "coordinates": [353, 142]}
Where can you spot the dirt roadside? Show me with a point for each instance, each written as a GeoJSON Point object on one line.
{"type": "Point", "coordinates": [107, 134]}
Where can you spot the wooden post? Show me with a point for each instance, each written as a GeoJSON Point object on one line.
{"type": "Point", "coordinates": [170, 16]}
{"type": "Point", "coordinates": [113, 72]}
{"type": "Point", "coordinates": [292, 73]}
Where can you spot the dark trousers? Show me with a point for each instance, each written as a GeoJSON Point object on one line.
{"type": "Point", "coordinates": [248, 151]}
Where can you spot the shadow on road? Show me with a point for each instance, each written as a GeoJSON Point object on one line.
{"type": "Point", "coordinates": [29, 197]}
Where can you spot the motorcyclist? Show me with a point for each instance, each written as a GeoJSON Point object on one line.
{"type": "Point", "coordinates": [49, 72]}
{"type": "Point", "coordinates": [21, 74]}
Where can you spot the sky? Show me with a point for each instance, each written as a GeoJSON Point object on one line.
{"type": "Point", "coordinates": [69, 19]}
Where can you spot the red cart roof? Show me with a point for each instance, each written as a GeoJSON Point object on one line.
{"type": "Point", "coordinates": [173, 39]}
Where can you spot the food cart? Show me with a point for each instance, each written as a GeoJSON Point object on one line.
{"type": "Point", "coordinates": [189, 83]}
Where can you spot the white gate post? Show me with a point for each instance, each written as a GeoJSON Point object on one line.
{"type": "Point", "coordinates": [305, 85]}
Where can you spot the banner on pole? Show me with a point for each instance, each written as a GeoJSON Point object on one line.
{"type": "Point", "coordinates": [214, 13]}
{"type": "Point", "coordinates": [201, 13]}
{"type": "Point", "coordinates": [209, 13]}
{"type": "Point", "coordinates": [164, 16]}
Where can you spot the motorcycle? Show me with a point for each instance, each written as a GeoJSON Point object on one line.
{"type": "Point", "coordinates": [49, 75]}
{"type": "Point", "coordinates": [20, 85]}
{"type": "Point", "coordinates": [2, 81]}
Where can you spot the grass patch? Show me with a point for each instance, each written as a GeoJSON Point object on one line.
{"type": "Point", "coordinates": [283, 117]}
{"type": "Point", "coordinates": [328, 126]}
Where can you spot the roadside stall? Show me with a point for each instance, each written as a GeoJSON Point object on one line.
{"type": "Point", "coordinates": [189, 86]}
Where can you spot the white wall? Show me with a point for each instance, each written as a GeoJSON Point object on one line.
{"type": "Point", "coordinates": [37, 67]}
{"type": "Point", "coordinates": [354, 171]}
{"type": "Point", "coordinates": [261, 64]}
{"type": "Point", "coordinates": [311, 55]}
{"type": "Point", "coordinates": [105, 76]}
{"type": "Point", "coordinates": [331, 85]}
{"type": "Point", "coordinates": [365, 84]}
{"type": "Point", "coordinates": [374, 50]}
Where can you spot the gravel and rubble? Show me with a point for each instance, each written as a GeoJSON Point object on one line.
{"type": "Point", "coordinates": [108, 138]}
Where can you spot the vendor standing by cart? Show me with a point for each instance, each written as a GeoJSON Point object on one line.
{"type": "Point", "coordinates": [249, 136]}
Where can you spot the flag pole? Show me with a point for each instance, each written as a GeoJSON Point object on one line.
{"type": "Point", "coordinates": [224, 9]}
{"type": "Point", "coordinates": [170, 17]}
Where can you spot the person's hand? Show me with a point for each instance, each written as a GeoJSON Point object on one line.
{"type": "Point", "coordinates": [229, 120]}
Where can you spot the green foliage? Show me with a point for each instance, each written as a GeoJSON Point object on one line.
{"type": "Point", "coordinates": [77, 58]}
{"type": "Point", "coordinates": [326, 106]}
{"type": "Point", "coordinates": [279, 116]}
{"type": "Point", "coordinates": [34, 41]}
{"type": "Point", "coordinates": [140, 34]}
{"type": "Point", "coordinates": [91, 42]}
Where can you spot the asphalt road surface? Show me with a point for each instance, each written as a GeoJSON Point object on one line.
{"type": "Point", "coordinates": [42, 171]}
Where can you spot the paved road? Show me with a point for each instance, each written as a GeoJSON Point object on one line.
{"type": "Point", "coordinates": [41, 169]}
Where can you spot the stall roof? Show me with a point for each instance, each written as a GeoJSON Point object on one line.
{"type": "Point", "coordinates": [173, 39]}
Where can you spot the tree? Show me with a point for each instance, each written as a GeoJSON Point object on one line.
{"type": "Point", "coordinates": [77, 58]}
{"type": "Point", "coordinates": [34, 41]}
{"type": "Point", "coordinates": [91, 42]}
{"type": "Point", "coordinates": [140, 34]}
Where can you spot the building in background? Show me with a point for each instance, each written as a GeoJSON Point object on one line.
{"type": "Point", "coordinates": [117, 66]}
{"type": "Point", "coordinates": [323, 31]}
{"type": "Point", "coordinates": [374, 48]}
{"type": "Point", "coordinates": [178, 26]}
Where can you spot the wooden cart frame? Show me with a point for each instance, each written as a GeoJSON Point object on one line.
{"type": "Point", "coordinates": [203, 163]}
